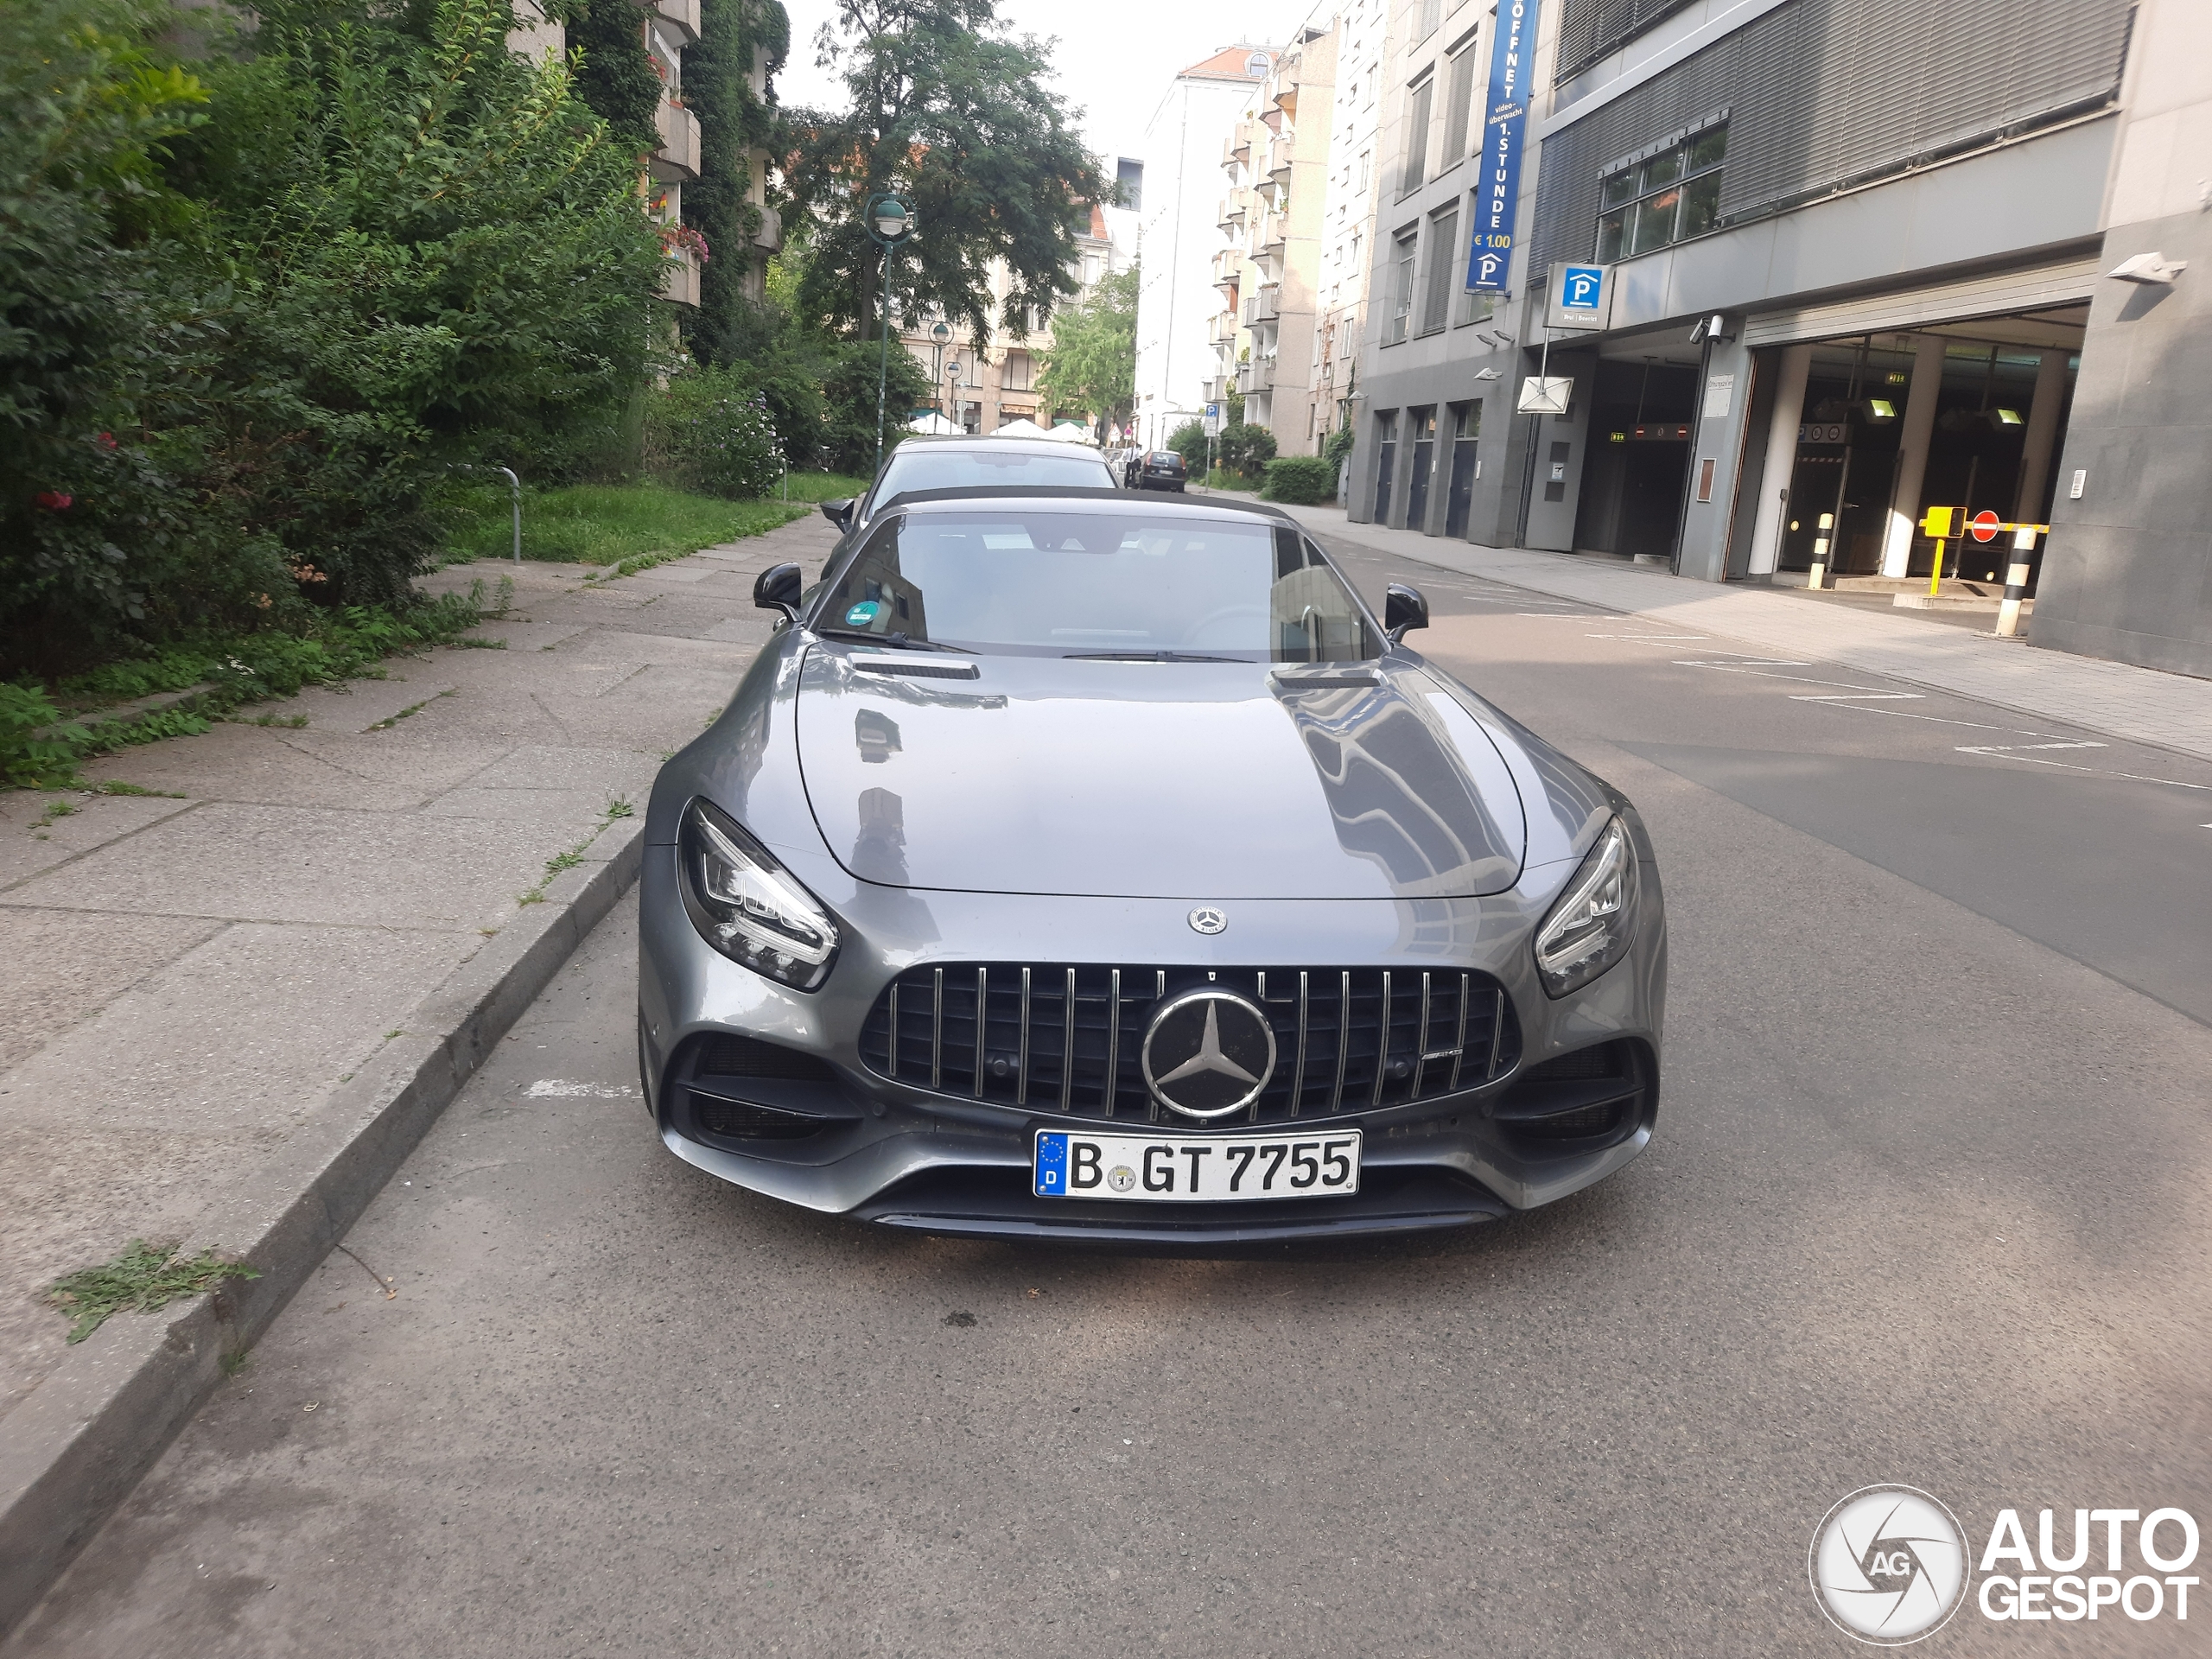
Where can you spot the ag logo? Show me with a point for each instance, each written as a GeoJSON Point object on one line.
{"type": "Point", "coordinates": [1889, 1564]}
{"type": "Point", "coordinates": [1206, 918]}
{"type": "Point", "coordinates": [1208, 1052]}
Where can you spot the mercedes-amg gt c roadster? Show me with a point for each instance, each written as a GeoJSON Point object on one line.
{"type": "Point", "coordinates": [1075, 864]}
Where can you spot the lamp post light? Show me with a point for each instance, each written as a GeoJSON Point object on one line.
{"type": "Point", "coordinates": [938, 337]}
{"type": "Point", "coordinates": [890, 226]}
{"type": "Point", "coordinates": [952, 374]}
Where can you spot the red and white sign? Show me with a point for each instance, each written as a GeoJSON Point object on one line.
{"type": "Point", "coordinates": [1985, 526]}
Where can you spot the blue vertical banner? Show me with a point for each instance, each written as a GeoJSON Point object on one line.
{"type": "Point", "coordinates": [1512, 56]}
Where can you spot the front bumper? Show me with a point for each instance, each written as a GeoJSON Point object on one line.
{"type": "Point", "coordinates": [902, 1155]}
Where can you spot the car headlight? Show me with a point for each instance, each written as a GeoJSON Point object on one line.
{"type": "Point", "coordinates": [747, 905]}
{"type": "Point", "coordinates": [1593, 922]}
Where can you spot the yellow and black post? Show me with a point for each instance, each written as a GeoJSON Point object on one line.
{"type": "Point", "coordinates": [1937, 521]}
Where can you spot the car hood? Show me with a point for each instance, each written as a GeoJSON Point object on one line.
{"type": "Point", "coordinates": [1198, 780]}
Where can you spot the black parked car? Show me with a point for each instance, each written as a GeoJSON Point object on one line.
{"type": "Point", "coordinates": [1159, 469]}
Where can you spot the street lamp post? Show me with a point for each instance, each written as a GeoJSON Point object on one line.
{"type": "Point", "coordinates": [939, 336]}
{"type": "Point", "coordinates": [890, 226]}
{"type": "Point", "coordinates": [952, 375]}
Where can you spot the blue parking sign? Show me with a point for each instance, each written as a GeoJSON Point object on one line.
{"type": "Point", "coordinates": [1582, 289]}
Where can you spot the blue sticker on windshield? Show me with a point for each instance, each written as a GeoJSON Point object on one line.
{"type": "Point", "coordinates": [863, 614]}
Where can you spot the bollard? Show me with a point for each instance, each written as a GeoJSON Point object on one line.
{"type": "Point", "coordinates": [514, 486]}
{"type": "Point", "coordinates": [2015, 582]}
{"type": "Point", "coordinates": [1819, 573]}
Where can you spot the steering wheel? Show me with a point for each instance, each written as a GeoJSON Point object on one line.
{"type": "Point", "coordinates": [1195, 634]}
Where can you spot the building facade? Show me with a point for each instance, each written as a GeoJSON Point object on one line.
{"type": "Point", "coordinates": [1179, 240]}
{"type": "Point", "coordinates": [1347, 219]}
{"type": "Point", "coordinates": [665, 29]}
{"type": "Point", "coordinates": [1276, 157]}
{"type": "Point", "coordinates": [1861, 259]}
{"type": "Point", "coordinates": [1437, 366]}
{"type": "Point", "coordinates": [980, 389]}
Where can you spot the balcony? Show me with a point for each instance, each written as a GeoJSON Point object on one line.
{"type": "Point", "coordinates": [680, 277]}
{"type": "Point", "coordinates": [1258, 376]}
{"type": "Point", "coordinates": [1223, 327]}
{"type": "Point", "coordinates": [1266, 304]}
{"type": "Point", "coordinates": [681, 15]}
{"type": "Point", "coordinates": [678, 157]}
{"type": "Point", "coordinates": [1234, 208]}
{"type": "Point", "coordinates": [1214, 389]}
{"type": "Point", "coordinates": [770, 236]}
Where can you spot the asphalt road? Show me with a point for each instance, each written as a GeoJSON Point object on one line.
{"type": "Point", "coordinates": [1927, 1204]}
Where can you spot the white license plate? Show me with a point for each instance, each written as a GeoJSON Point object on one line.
{"type": "Point", "coordinates": [1189, 1169]}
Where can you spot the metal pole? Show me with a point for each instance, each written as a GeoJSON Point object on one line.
{"type": "Point", "coordinates": [883, 373]}
{"type": "Point", "coordinates": [514, 486]}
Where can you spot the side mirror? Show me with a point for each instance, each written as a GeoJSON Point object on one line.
{"type": "Point", "coordinates": [1403, 610]}
{"type": "Point", "coordinates": [776, 588]}
{"type": "Point", "coordinates": [838, 512]}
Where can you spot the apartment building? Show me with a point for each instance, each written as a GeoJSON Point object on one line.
{"type": "Point", "coordinates": [1276, 157]}
{"type": "Point", "coordinates": [1347, 221]}
{"type": "Point", "coordinates": [665, 29]}
{"type": "Point", "coordinates": [980, 388]}
{"type": "Point", "coordinates": [1180, 235]}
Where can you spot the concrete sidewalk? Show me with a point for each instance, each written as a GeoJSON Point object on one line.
{"type": "Point", "coordinates": [2172, 710]}
{"type": "Point", "coordinates": [193, 976]}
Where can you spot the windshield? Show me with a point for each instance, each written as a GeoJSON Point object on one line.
{"type": "Point", "coordinates": [929, 467]}
{"type": "Point", "coordinates": [1098, 583]}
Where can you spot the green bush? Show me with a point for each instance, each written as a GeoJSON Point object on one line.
{"type": "Point", "coordinates": [1245, 450]}
{"type": "Point", "coordinates": [1337, 450]}
{"type": "Point", "coordinates": [1299, 480]}
{"type": "Point", "coordinates": [249, 313]}
{"type": "Point", "coordinates": [1189, 441]}
{"type": "Point", "coordinates": [712, 432]}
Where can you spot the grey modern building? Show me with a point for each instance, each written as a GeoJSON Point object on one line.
{"type": "Point", "coordinates": [1859, 257]}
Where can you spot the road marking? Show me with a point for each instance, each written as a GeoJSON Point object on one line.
{"type": "Point", "coordinates": [1741, 664]}
{"type": "Point", "coordinates": [1651, 639]}
{"type": "Point", "coordinates": [1853, 697]}
{"type": "Point", "coordinates": [558, 1089]}
{"type": "Point", "coordinates": [2093, 772]}
{"type": "Point", "coordinates": [2013, 749]}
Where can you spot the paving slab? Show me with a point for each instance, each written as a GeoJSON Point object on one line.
{"type": "Point", "coordinates": [195, 981]}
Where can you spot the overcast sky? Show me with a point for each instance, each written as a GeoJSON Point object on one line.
{"type": "Point", "coordinates": [1114, 60]}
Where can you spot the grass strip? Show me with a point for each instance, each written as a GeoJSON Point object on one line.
{"type": "Point", "coordinates": [145, 1279]}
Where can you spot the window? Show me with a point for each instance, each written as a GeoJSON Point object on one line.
{"type": "Point", "coordinates": [1443, 247]}
{"type": "Point", "coordinates": [1417, 108]}
{"type": "Point", "coordinates": [1671, 196]}
{"type": "Point", "coordinates": [1095, 584]}
{"type": "Point", "coordinates": [1459, 102]}
{"type": "Point", "coordinates": [1401, 297]}
{"type": "Point", "coordinates": [1426, 15]}
{"type": "Point", "coordinates": [1015, 376]}
{"type": "Point", "coordinates": [1365, 156]}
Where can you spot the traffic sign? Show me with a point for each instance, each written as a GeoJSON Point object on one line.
{"type": "Point", "coordinates": [1985, 526]}
{"type": "Point", "coordinates": [1580, 296]}
{"type": "Point", "coordinates": [1213, 420]}
{"type": "Point", "coordinates": [1937, 521]}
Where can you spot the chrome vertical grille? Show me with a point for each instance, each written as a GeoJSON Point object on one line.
{"type": "Point", "coordinates": [1056, 1038]}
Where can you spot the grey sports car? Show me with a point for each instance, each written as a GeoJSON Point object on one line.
{"type": "Point", "coordinates": [1081, 865]}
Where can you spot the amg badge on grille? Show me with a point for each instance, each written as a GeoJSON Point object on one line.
{"type": "Point", "coordinates": [1208, 1052]}
{"type": "Point", "coordinates": [1206, 920]}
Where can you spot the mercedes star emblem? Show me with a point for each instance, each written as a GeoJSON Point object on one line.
{"type": "Point", "coordinates": [1208, 1052]}
{"type": "Point", "coordinates": [1206, 920]}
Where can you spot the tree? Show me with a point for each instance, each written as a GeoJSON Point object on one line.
{"type": "Point", "coordinates": [956, 117]}
{"type": "Point", "coordinates": [250, 314]}
{"type": "Point", "coordinates": [1093, 364]}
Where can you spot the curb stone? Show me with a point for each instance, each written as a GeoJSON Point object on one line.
{"type": "Point", "coordinates": [79, 1445]}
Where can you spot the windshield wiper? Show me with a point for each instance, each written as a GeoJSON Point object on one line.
{"type": "Point", "coordinates": [895, 641]}
{"type": "Point", "coordinates": [1143, 656]}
